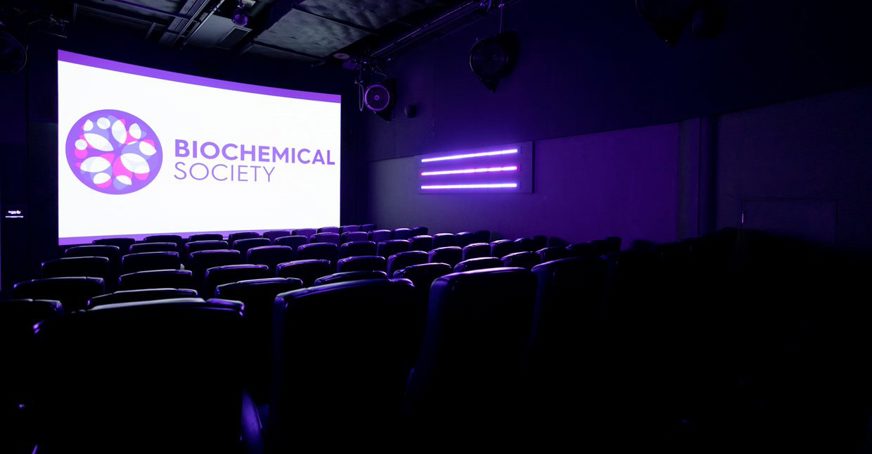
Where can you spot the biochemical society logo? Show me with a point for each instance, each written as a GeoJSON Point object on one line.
{"type": "Point", "coordinates": [114, 152]}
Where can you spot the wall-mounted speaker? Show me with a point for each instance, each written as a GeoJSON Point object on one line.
{"type": "Point", "coordinates": [13, 54]}
{"type": "Point", "coordinates": [379, 98]}
{"type": "Point", "coordinates": [667, 17]}
{"type": "Point", "coordinates": [493, 58]}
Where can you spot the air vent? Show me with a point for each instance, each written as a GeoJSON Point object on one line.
{"type": "Point", "coordinates": [218, 32]}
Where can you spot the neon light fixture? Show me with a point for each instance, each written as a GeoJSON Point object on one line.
{"type": "Point", "coordinates": [471, 186]}
{"type": "Point", "coordinates": [471, 155]}
{"type": "Point", "coordinates": [468, 171]}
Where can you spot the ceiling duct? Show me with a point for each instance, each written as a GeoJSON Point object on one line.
{"type": "Point", "coordinates": [220, 32]}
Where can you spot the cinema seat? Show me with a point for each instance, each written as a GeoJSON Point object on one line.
{"type": "Point", "coordinates": [524, 259]}
{"type": "Point", "coordinates": [378, 236]}
{"type": "Point", "coordinates": [305, 232]}
{"type": "Point", "coordinates": [273, 234]}
{"type": "Point", "coordinates": [420, 230]}
{"type": "Point", "coordinates": [325, 251]}
{"type": "Point", "coordinates": [72, 292]}
{"type": "Point", "coordinates": [204, 245]}
{"type": "Point", "coordinates": [391, 247]}
{"type": "Point", "coordinates": [305, 270]}
{"type": "Point", "coordinates": [422, 243]}
{"type": "Point", "coordinates": [113, 253]}
{"type": "Point", "coordinates": [20, 320]}
{"type": "Point", "coordinates": [76, 266]}
{"type": "Point", "coordinates": [203, 260]}
{"type": "Point", "coordinates": [156, 279]}
{"type": "Point", "coordinates": [581, 250]}
{"type": "Point", "coordinates": [134, 296]}
{"type": "Point", "coordinates": [258, 295]}
{"type": "Point", "coordinates": [448, 254]}
{"type": "Point", "coordinates": [144, 261]}
{"type": "Point", "coordinates": [292, 241]}
{"type": "Point", "coordinates": [122, 243]}
{"type": "Point", "coordinates": [346, 276]}
{"type": "Point", "coordinates": [528, 244]}
{"type": "Point", "coordinates": [367, 227]}
{"type": "Point", "coordinates": [245, 244]}
{"type": "Point", "coordinates": [469, 370]}
{"type": "Point", "coordinates": [402, 233]}
{"type": "Point", "coordinates": [474, 250]}
{"type": "Point", "coordinates": [422, 276]}
{"type": "Point", "coordinates": [345, 350]}
{"type": "Point", "coordinates": [205, 237]}
{"type": "Point", "coordinates": [444, 239]}
{"type": "Point", "coordinates": [401, 260]}
{"type": "Point", "coordinates": [329, 230]}
{"type": "Point", "coordinates": [349, 228]}
{"type": "Point", "coordinates": [224, 274]}
{"type": "Point", "coordinates": [325, 237]}
{"type": "Point", "coordinates": [166, 238]}
{"type": "Point", "coordinates": [357, 248]}
{"type": "Point", "coordinates": [500, 248]}
{"type": "Point", "coordinates": [347, 237]}
{"type": "Point", "coordinates": [156, 376]}
{"type": "Point", "coordinates": [154, 246]}
{"type": "Point", "coordinates": [478, 263]}
{"type": "Point", "coordinates": [361, 263]}
{"type": "Point", "coordinates": [235, 236]}
{"type": "Point", "coordinates": [552, 253]}
{"type": "Point", "coordinates": [269, 255]}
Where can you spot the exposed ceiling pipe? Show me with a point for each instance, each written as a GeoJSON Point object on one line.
{"type": "Point", "coordinates": [150, 8]}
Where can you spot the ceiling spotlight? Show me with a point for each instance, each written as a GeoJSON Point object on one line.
{"type": "Point", "coordinates": [341, 56]}
{"type": "Point", "coordinates": [240, 17]}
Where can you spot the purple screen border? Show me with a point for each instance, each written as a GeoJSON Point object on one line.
{"type": "Point", "coordinates": [111, 65]}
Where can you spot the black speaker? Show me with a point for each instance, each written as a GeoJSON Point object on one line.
{"type": "Point", "coordinates": [379, 98]}
{"type": "Point", "coordinates": [13, 55]}
{"type": "Point", "coordinates": [667, 17]}
{"type": "Point", "coordinates": [493, 58]}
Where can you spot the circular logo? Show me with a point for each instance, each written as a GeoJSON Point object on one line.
{"type": "Point", "coordinates": [113, 152]}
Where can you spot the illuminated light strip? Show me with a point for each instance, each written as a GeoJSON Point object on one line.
{"type": "Point", "coordinates": [471, 155]}
{"type": "Point", "coordinates": [468, 171]}
{"type": "Point", "coordinates": [472, 186]}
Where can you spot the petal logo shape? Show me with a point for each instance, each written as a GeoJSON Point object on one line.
{"type": "Point", "coordinates": [113, 152]}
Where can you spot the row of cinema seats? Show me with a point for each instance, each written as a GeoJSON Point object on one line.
{"type": "Point", "coordinates": [708, 345]}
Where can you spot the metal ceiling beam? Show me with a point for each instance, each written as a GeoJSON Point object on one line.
{"type": "Point", "coordinates": [302, 8]}
{"type": "Point", "coordinates": [279, 48]}
{"type": "Point", "coordinates": [149, 8]}
{"type": "Point", "coordinates": [429, 26]}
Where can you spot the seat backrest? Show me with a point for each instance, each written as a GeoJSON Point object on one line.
{"type": "Point", "coordinates": [72, 292]}
{"type": "Point", "coordinates": [328, 229]}
{"type": "Point", "coordinates": [357, 248]}
{"type": "Point", "coordinates": [76, 266]}
{"type": "Point", "coordinates": [224, 274]}
{"type": "Point", "coordinates": [422, 276]}
{"type": "Point", "coordinates": [244, 244]}
{"type": "Point", "coordinates": [465, 238]}
{"type": "Point", "coordinates": [116, 395]}
{"type": "Point", "coordinates": [202, 260]}
{"type": "Point", "coordinates": [269, 255]}
{"type": "Point", "coordinates": [273, 234]}
{"type": "Point", "coordinates": [305, 270]}
{"type": "Point", "coordinates": [401, 260]}
{"type": "Point", "coordinates": [204, 245]}
{"type": "Point", "coordinates": [581, 250]}
{"type": "Point", "coordinates": [402, 233]}
{"type": "Point", "coordinates": [166, 238]}
{"type": "Point", "coordinates": [325, 237]}
{"type": "Point", "coordinates": [134, 296]}
{"type": "Point", "coordinates": [349, 228]}
{"type": "Point", "coordinates": [524, 259]}
{"type": "Point", "coordinates": [478, 263]}
{"type": "Point", "coordinates": [154, 246]}
{"type": "Point", "coordinates": [156, 279]}
{"type": "Point", "coordinates": [293, 241]}
{"type": "Point", "coordinates": [444, 239]}
{"type": "Point", "coordinates": [501, 248]}
{"type": "Point", "coordinates": [144, 261]}
{"type": "Point", "coordinates": [344, 349]}
{"type": "Point", "coordinates": [113, 253]}
{"type": "Point", "coordinates": [20, 320]}
{"type": "Point", "coordinates": [361, 263]}
{"type": "Point", "coordinates": [304, 232]}
{"type": "Point", "coordinates": [236, 236]}
{"type": "Point", "coordinates": [421, 242]}
{"type": "Point", "coordinates": [549, 253]}
{"type": "Point", "coordinates": [347, 276]}
{"type": "Point", "coordinates": [378, 236]}
{"type": "Point", "coordinates": [205, 237]}
{"type": "Point", "coordinates": [391, 247]}
{"type": "Point", "coordinates": [470, 365]}
{"type": "Point", "coordinates": [122, 243]}
{"type": "Point", "coordinates": [471, 251]}
{"type": "Point", "coordinates": [347, 237]}
{"type": "Point", "coordinates": [324, 251]}
{"type": "Point", "coordinates": [367, 227]}
{"type": "Point", "coordinates": [447, 254]}
{"type": "Point", "coordinates": [530, 243]}
{"type": "Point", "coordinates": [420, 230]}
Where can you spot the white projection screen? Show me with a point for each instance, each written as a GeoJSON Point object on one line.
{"type": "Point", "coordinates": [143, 151]}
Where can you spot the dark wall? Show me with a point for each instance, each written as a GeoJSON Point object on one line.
{"type": "Point", "coordinates": [588, 67]}
{"type": "Point", "coordinates": [29, 132]}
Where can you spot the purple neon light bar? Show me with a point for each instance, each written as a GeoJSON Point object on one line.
{"type": "Point", "coordinates": [470, 155]}
{"type": "Point", "coordinates": [471, 186]}
{"type": "Point", "coordinates": [470, 171]}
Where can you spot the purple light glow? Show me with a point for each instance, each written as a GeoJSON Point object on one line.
{"type": "Point", "coordinates": [471, 186]}
{"type": "Point", "coordinates": [471, 155]}
{"type": "Point", "coordinates": [468, 171]}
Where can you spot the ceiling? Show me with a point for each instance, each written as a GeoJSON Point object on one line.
{"type": "Point", "coordinates": [317, 31]}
